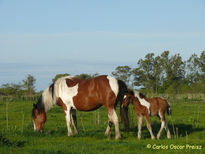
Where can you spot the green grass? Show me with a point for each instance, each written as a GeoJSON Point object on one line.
{"type": "Point", "coordinates": [19, 137]}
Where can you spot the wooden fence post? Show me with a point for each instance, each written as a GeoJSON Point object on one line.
{"type": "Point", "coordinates": [7, 115]}
{"type": "Point", "coordinates": [22, 123]}
{"type": "Point", "coordinates": [98, 116]}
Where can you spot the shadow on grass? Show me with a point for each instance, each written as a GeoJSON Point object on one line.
{"type": "Point", "coordinates": [98, 132]}
{"type": "Point", "coordinates": [179, 130]}
{"type": "Point", "coordinates": [4, 141]}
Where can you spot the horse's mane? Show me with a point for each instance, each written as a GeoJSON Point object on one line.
{"type": "Point", "coordinates": [39, 106]}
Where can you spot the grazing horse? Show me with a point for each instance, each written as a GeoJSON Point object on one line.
{"type": "Point", "coordinates": [72, 93]}
{"type": "Point", "coordinates": [148, 107]}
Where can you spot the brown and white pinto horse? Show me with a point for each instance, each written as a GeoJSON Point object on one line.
{"type": "Point", "coordinates": [72, 93]}
{"type": "Point", "coordinates": [145, 107]}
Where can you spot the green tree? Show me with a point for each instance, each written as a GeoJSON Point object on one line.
{"type": "Point", "coordinates": [157, 73]}
{"type": "Point", "coordinates": [59, 76]}
{"type": "Point", "coordinates": [123, 73]}
{"type": "Point", "coordinates": [193, 69]}
{"type": "Point", "coordinates": [173, 71]}
{"type": "Point", "coordinates": [138, 77]}
{"type": "Point", "coordinates": [87, 76]}
{"type": "Point", "coordinates": [146, 67]}
{"type": "Point", "coordinates": [148, 73]}
{"type": "Point", "coordinates": [202, 63]}
{"type": "Point", "coordinates": [84, 76]}
{"type": "Point", "coordinates": [29, 84]}
{"type": "Point", "coordinates": [11, 89]}
{"type": "Point", "coordinates": [81, 76]}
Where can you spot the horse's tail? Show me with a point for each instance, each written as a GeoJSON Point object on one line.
{"type": "Point", "coordinates": [169, 110]}
{"type": "Point", "coordinates": [123, 111]}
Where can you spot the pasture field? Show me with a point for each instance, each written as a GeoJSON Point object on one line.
{"type": "Point", "coordinates": [187, 126]}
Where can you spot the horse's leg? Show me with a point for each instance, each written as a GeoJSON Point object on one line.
{"type": "Point", "coordinates": [67, 114]}
{"type": "Point", "coordinates": [139, 118]}
{"type": "Point", "coordinates": [112, 116]}
{"type": "Point", "coordinates": [149, 126]}
{"type": "Point", "coordinates": [74, 120]}
{"type": "Point", "coordinates": [68, 120]}
{"type": "Point", "coordinates": [162, 118]}
{"type": "Point", "coordinates": [167, 129]}
{"type": "Point", "coordinates": [108, 128]}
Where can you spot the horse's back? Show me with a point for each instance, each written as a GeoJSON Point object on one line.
{"type": "Point", "coordinates": [93, 93]}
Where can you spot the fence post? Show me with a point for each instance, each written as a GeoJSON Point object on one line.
{"type": "Point", "coordinates": [7, 115]}
{"type": "Point", "coordinates": [94, 114]}
{"type": "Point", "coordinates": [98, 116]}
{"type": "Point", "coordinates": [22, 123]}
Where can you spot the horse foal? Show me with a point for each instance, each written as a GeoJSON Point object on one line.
{"type": "Point", "coordinates": [145, 107]}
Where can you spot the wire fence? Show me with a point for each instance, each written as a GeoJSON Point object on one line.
{"type": "Point", "coordinates": [19, 98]}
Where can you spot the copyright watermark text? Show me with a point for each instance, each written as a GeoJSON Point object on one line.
{"type": "Point", "coordinates": [173, 147]}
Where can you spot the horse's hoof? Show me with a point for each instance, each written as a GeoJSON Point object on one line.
{"type": "Point", "coordinates": [106, 133]}
{"type": "Point", "coordinates": [152, 137]}
{"type": "Point", "coordinates": [169, 137]}
{"type": "Point", "coordinates": [117, 137]}
{"type": "Point", "coordinates": [70, 134]}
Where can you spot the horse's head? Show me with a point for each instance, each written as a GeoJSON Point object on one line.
{"type": "Point", "coordinates": [128, 98]}
{"type": "Point", "coordinates": [39, 117]}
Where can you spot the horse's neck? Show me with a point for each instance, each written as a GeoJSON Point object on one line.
{"type": "Point", "coordinates": [48, 100]}
{"type": "Point", "coordinates": [48, 104]}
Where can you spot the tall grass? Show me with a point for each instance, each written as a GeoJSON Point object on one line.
{"type": "Point", "coordinates": [187, 126]}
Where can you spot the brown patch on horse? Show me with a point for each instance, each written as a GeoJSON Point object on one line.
{"type": "Point", "coordinates": [40, 119]}
{"type": "Point", "coordinates": [157, 104]}
{"type": "Point", "coordinates": [62, 105]}
{"type": "Point", "coordinates": [89, 99]}
{"type": "Point", "coordinates": [73, 81]}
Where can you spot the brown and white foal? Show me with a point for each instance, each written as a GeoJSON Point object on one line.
{"type": "Point", "coordinates": [145, 107]}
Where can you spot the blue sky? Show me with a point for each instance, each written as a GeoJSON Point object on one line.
{"type": "Point", "coordinates": [44, 38]}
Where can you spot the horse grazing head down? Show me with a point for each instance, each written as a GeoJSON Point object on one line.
{"type": "Point", "coordinates": [38, 116]}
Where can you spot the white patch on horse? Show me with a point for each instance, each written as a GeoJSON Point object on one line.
{"type": "Point", "coordinates": [142, 101]}
{"type": "Point", "coordinates": [113, 84]}
{"type": "Point", "coordinates": [47, 98]}
{"type": "Point", "coordinates": [67, 93]}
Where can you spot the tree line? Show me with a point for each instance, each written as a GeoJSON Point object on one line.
{"type": "Point", "coordinates": [26, 87]}
{"type": "Point", "coordinates": [162, 73]}
{"type": "Point", "coordinates": [166, 73]}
